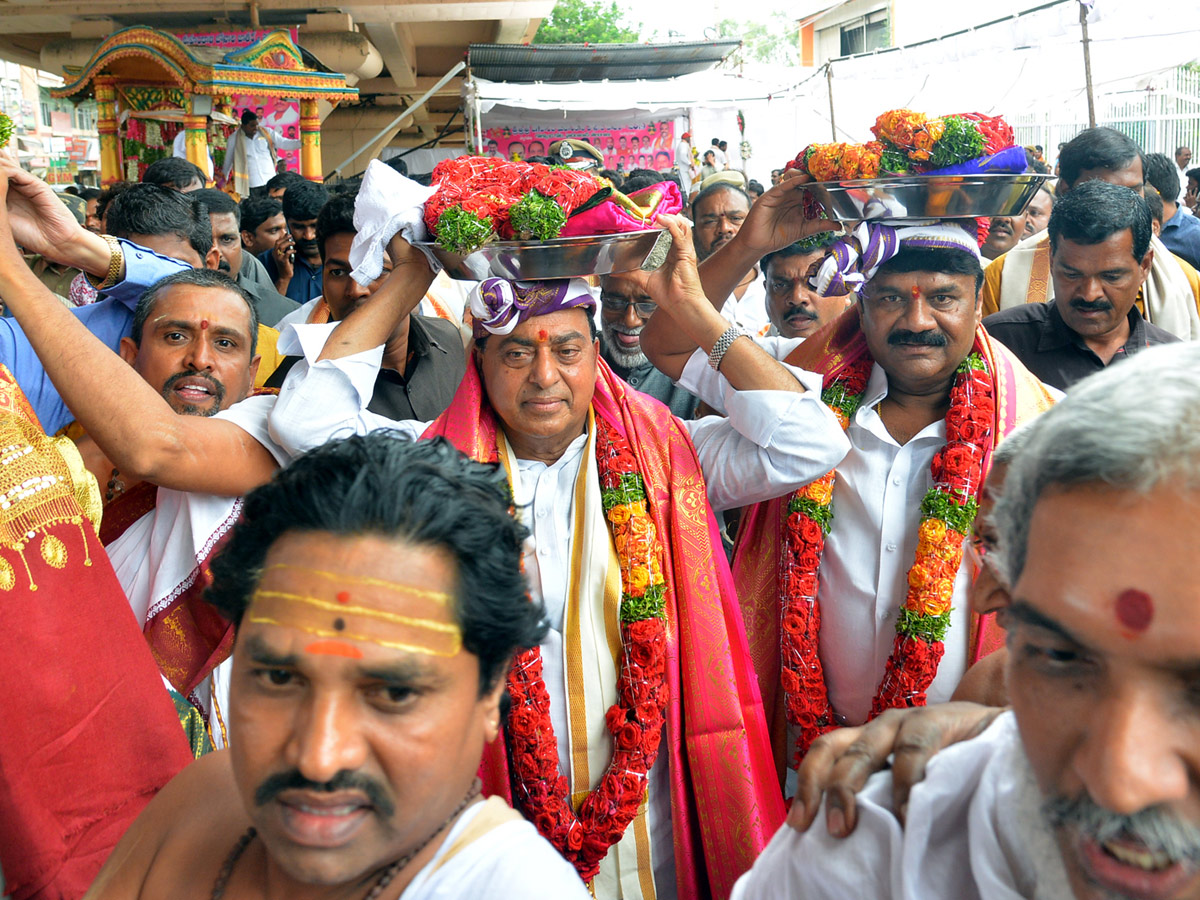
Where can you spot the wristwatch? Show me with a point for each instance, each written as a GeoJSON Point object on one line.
{"type": "Point", "coordinates": [116, 261]}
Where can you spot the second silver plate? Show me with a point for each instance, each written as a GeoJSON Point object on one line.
{"type": "Point", "coordinates": [927, 196]}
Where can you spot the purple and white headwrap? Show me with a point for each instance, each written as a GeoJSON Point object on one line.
{"type": "Point", "coordinates": [499, 305]}
{"type": "Point", "coordinates": [854, 259]}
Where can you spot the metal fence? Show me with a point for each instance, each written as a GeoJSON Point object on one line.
{"type": "Point", "coordinates": [1160, 118]}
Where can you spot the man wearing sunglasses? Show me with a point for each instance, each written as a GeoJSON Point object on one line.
{"type": "Point", "coordinates": [625, 307]}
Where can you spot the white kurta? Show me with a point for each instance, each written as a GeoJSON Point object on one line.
{"type": "Point", "coordinates": [973, 831]}
{"type": "Point", "coordinates": [763, 449]}
{"type": "Point", "coordinates": [864, 570]}
{"type": "Point", "coordinates": [259, 159]}
{"type": "Point", "coordinates": [509, 862]}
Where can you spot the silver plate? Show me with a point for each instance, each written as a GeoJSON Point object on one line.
{"type": "Point", "coordinates": [927, 196]}
{"type": "Point", "coordinates": [560, 258]}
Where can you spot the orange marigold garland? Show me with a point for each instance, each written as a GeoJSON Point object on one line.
{"type": "Point", "coordinates": [946, 515]}
{"type": "Point", "coordinates": [635, 722]}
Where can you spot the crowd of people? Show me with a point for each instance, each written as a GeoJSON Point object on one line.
{"type": "Point", "coordinates": [331, 576]}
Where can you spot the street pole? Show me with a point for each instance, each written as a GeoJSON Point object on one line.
{"type": "Point", "coordinates": [1087, 63]}
{"type": "Point", "coordinates": [829, 83]}
{"type": "Point", "coordinates": [394, 124]}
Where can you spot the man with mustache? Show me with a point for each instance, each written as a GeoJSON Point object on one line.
{"type": "Point", "coordinates": [719, 211]}
{"type": "Point", "coordinates": [1170, 296]}
{"type": "Point", "coordinates": [1003, 234]}
{"type": "Point", "coordinates": [625, 308]}
{"type": "Point", "coordinates": [1087, 789]}
{"type": "Point", "coordinates": [795, 309]}
{"type": "Point", "coordinates": [241, 266]}
{"type": "Point", "coordinates": [1100, 250]}
{"type": "Point", "coordinates": [836, 580]}
{"type": "Point", "coordinates": [379, 599]}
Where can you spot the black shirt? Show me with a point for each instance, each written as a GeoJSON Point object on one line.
{"type": "Point", "coordinates": [1058, 356]}
{"type": "Point", "coordinates": [437, 361]}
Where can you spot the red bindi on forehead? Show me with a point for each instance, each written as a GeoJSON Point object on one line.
{"type": "Point", "coordinates": [1135, 610]}
{"type": "Point", "coordinates": [916, 292]}
{"type": "Point", "coordinates": [203, 324]}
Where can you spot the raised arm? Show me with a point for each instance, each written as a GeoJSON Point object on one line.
{"type": "Point", "coordinates": [327, 393]}
{"type": "Point", "coordinates": [775, 220]}
{"type": "Point", "coordinates": [679, 292]}
{"type": "Point", "coordinates": [126, 417]}
{"type": "Point", "coordinates": [41, 224]}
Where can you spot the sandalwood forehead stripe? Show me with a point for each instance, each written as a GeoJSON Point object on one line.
{"type": "Point", "coordinates": [437, 596]}
{"type": "Point", "coordinates": [456, 641]}
{"type": "Point", "coordinates": [345, 609]}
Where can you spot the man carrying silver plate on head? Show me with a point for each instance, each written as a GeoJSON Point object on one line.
{"type": "Point", "coordinates": [852, 588]}
{"type": "Point", "coordinates": [646, 640]}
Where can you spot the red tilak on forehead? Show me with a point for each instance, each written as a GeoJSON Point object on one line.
{"type": "Point", "coordinates": [203, 324]}
{"type": "Point", "coordinates": [543, 335]}
{"type": "Point", "coordinates": [1135, 610]}
{"type": "Point", "coordinates": [916, 292]}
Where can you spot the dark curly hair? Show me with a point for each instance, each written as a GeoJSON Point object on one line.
{"type": "Point", "coordinates": [425, 493]}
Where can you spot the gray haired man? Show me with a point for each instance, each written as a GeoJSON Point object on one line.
{"type": "Point", "coordinates": [1100, 798]}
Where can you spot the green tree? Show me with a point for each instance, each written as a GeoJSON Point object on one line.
{"type": "Point", "coordinates": [775, 41]}
{"type": "Point", "coordinates": [587, 22]}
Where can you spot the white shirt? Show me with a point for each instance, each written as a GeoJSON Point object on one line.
{"type": "Point", "coordinates": [299, 315]}
{"type": "Point", "coordinates": [751, 311]}
{"type": "Point", "coordinates": [762, 450]}
{"type": "Point", "coordinates": [864, 570]}
{"type": "Point", "coordinates": [259, 159]}
{"type": "Point", "coordinates": [509, 862]}
{"type": "Point", "coordinates": [719, 154]}
{"type": "Point", "coordinates": [973, 831]}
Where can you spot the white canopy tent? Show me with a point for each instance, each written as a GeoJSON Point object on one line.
{"type": "Point", "coordinates": [705, 103]}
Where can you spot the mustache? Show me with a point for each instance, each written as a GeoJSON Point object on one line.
{"type": "Point", "coordinates": [344, 780]}
{"type": "Point", "coordinates": [800, 312]}
{"type": "Point", "coordinates": [218, 389]}
{"type": "Point", "coordinates": [1157, 829]}
{"type": "Point", "coordinates": [901, 338]}
{"type": "Point", "coordinates": [1091, 305]}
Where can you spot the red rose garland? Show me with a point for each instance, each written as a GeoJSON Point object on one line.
{"type": "Point", "coordinates": [947, 513]}
{"type": "Point", "coordinates": [635, 721]}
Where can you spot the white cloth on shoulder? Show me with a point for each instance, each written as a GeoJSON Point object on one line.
{"type": "Point", "coordinates": [159, 556]}
{"type": "Point", "coordinates": [388, 204]}
{"type": "Point", "coordinates": [974, 831]}
{"type": "Point", "coordinates": [492, 852]}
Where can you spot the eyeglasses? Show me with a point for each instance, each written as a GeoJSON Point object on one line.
{"type": "Point", "coordinates": [645, 309]}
